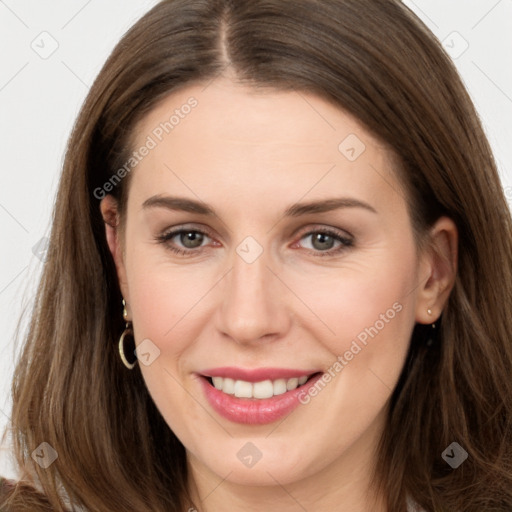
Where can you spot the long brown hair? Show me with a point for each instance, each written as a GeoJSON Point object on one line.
{"type": "Point", "coordinates": [375, 60]}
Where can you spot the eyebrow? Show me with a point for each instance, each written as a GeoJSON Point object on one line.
{"type": "Point", "coordinates": [295, 210]}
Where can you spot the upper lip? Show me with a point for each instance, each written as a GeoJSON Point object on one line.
{"type": "Point", "coordinates": [256, 374]}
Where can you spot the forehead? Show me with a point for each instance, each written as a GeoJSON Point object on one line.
{"type": "Point", "coordinates": [233, 138]}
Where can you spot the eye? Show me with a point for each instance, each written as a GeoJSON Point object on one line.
{"type": "Point", "coordinates": [190, 240]}
{"type": "Point", "coordinates": [323, 242]}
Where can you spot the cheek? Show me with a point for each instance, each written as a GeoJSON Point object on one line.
{"type": "Point", "coordinates": [165, 302]}
{"type": "Point", "coordinates": [365, 302]}
{"type": "Point", "coordinates": [164, 298]}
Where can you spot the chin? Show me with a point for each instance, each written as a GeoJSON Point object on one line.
{"type": "Point", "coordinates": [244, 464]}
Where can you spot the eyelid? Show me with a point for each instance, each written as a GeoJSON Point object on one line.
{"type": "Point", "coordinates": [342, 233]}
{"type": "Point", "coordinates": [200, 228]}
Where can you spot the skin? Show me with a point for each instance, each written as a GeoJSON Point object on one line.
{"type": "Point", "coordinates": [250, 154]}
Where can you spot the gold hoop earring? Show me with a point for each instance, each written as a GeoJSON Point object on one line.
{"type": "Point", "coordinates": [127, 331]}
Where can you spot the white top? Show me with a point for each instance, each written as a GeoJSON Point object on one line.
{"type": "Point", "coordinates": [412, 506]}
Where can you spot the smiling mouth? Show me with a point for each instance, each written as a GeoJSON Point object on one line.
{"type": "Point", "coordinates": [258, 390]}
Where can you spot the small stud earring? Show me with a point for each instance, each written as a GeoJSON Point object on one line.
{"type": "Point", "coordinates": [125, 313]}
{"type": "Point", "coordinates": [432, 333]}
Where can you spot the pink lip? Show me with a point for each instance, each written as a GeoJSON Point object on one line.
{"type": "Point", "coordinates": [254, 411]}
{"type": "Point", "coordinates": [255, 375]}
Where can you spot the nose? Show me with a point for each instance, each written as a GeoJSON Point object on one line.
{"type": "Point", "coordinates": [253, 304]}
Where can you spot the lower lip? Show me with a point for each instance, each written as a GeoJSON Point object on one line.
{"type": "Point", "coordinates": [255, 411]}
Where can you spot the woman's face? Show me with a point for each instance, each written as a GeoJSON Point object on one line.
{"type": "Point", "coordinates": [296, 260]}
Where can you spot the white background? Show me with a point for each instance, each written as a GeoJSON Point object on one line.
{"type": "Point", "coordinates": [40, 98]}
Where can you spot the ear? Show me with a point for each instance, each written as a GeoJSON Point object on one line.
{"type": "Point", "coordinates": [438, 269]}
{"type": "Point", "coordinates": [110, 214]}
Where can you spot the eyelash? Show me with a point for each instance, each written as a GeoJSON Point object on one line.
{"type": "Point", "coordinates": [165, 239]}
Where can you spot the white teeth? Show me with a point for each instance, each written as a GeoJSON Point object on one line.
{"type": "Point", "coordinates": [259, 390]}
{"type": "Point", "coordinates": [292, 384]}
{"type": "Point", "coordinates": [263, 389]}
{"type": "Point", "coordinates": [280, 386]}
{"type": "Point", "coordinates": [217, 382]}
{"type": "Point", "coordinates": [243, 389]}
{"type": "Point", "coordinates": [227, 385]}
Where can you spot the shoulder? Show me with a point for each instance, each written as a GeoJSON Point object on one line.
{"type": "Point", "coordinates": [6, 487]}
{"type": "Point", "coordinates": [412, 506]}
{"type": "Point", "coordinates": [19, 496]}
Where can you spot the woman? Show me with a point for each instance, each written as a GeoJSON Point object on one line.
{"type": "Point", "coordinates": [292, 212]}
